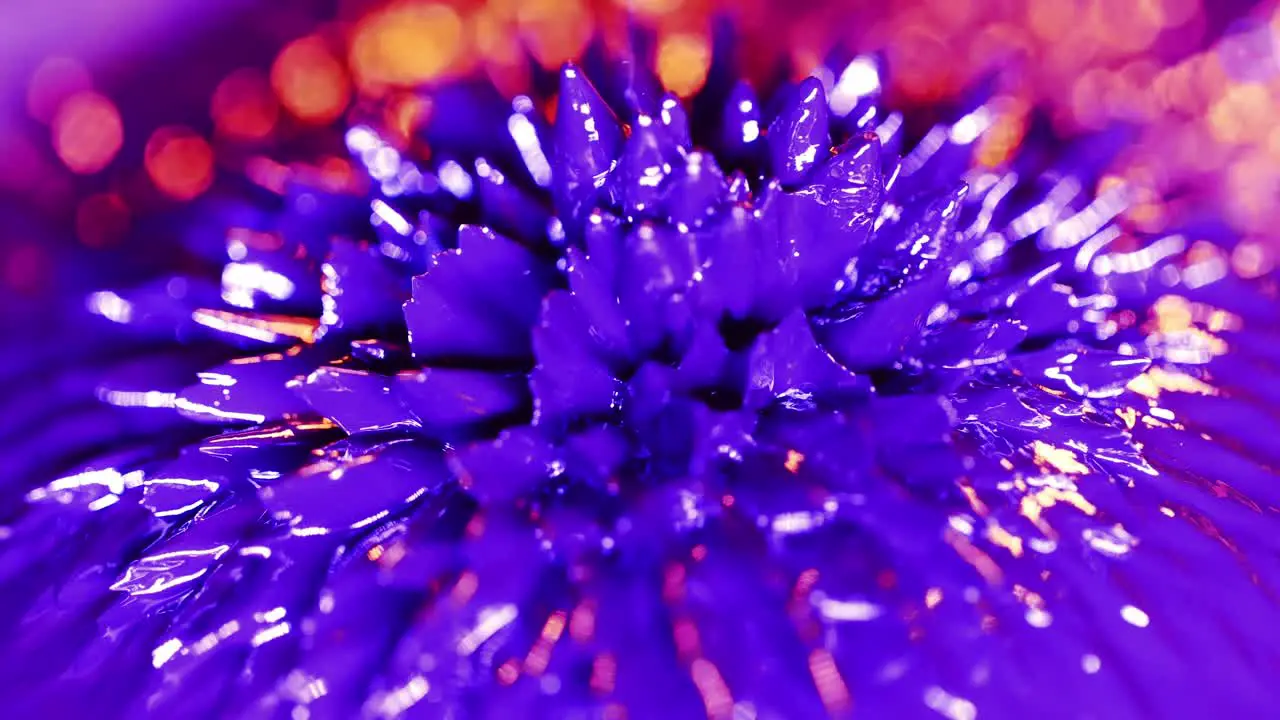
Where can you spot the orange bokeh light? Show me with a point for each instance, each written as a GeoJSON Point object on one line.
{"type": "Point", "coordinates": [406, 43]}
{"type": "Point", "coordinates": [998, 145]}
{"type": "Point", "coordinates": [102, 219]}
{"type": "Point", "coordinates": [492, 32]}
{"type": "Point", "coordinates": [555, 30]}
{"type": "Point", "coordinates": [336, 173]}
{"type": "Point", "coordinates": [925, 59]}
{"type": "Point", "coordinates": [55, 80]}
{"type": "Point", "coordinates": [651, 8]}
{"type": "Point", "coordinates": [1242, 114]}
{"type": "Point", "coordinates": [243, 105]}
{"type": "Point", "coordinates": [683, 60]}
{"type": "Point", "coordinates": [405, 114]}
{"type": "Point", "coordinates": [311, 83]}
{"type": "Point", "coordinates": [87, 132]}
{"type": "Point", "coordinates": [179, 162]}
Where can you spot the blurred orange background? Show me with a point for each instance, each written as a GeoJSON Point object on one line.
{"type": "Point", "coordinates": [94, 141]}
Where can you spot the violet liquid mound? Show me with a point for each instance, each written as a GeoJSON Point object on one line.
{"type": "Point", "coordinates": [636, 416]}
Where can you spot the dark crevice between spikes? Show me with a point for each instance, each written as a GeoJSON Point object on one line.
{"type": "Point", "coordinates": [740, 333]}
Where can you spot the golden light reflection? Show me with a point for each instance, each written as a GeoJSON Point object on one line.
{"type": "Point", "coordinates": [1058, 459]}
{"type": "Point", "coordinates": [997, 145]}
{"type": "Point", "coordinates": [1242, 114]}
{"type": "Point", "coordinates": [1030, 598]}
{"type": "Point", "coordinates": [1005, 539]}
{"type": "Point", "coordinates": [1030, 509]}
{"type": "Point", "coordinates": [1172, 313]}
{"type": "Point", "coordinates": [1157, 379]}
{"type": "Point", "coordinates": [974, 501]}
{"type": "Point", "coordinates": [1050, 496]}
{"type": "Point", "coordinates": [539, 655]}
{"type": "Point", "coordinates": [1220, 320]}
{"type": "Point", "coordinates": [794, 460]}
{"type": "Point", "coordinates": [1184, 332]}
{"type": "Point", "coordinates": [393, 555]}
{"type": "Point", "coordinates": [269, 329]}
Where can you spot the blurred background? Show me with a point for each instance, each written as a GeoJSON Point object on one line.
{"type": "Point", "coordinates": [114, 117]}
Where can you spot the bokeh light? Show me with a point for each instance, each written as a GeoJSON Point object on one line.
{"type": "Point", "coordinates": [683, 60]}
{"type": "Point", "coordinates": [87, 132]}
{"type": "Point", "coordinates": [243, 106]}
{"type": "Point", "coordinates": [179, 162]}
{"type": "Point", "coordinates": [404, 113]}
{"type": "Point", "coordinates": [311, 81]}
{"type": "Point", "coordinates": [405, 44]}
{"type": "Point", "coordinates": [56, 79]}
{"type": "Point", "coordinates": [1172, 66]}
{"type": "Point", "coordinates": [554, 30]}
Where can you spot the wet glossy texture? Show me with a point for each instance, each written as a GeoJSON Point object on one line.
{"type": "Point", "coordinates": [587, 141]}
{"type": "Point", "coordinates": [584, 423]}
{"type": "Point", "coordinates": [801, 134]}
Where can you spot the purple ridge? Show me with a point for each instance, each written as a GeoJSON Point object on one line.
{"type": "Point", "coordinates": [800, 136]}
{"type": "Point", "coordinates": [740, 128]}
{"type": "Point", "coordinates": [587, 141]}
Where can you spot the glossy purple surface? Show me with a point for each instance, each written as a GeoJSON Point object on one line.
{"type": "Point", "coordinates": [586, 422]}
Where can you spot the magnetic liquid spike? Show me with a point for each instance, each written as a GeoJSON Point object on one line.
{"type": "Point", "coordinates": [587, 141]}
{"type": "Point", "coordinates": [800, 136]}
{"type": "Point", "coordinates": [740, 129]}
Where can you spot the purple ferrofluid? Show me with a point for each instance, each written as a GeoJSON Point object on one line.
{"type": "Point", "coordinates": [730, 410]}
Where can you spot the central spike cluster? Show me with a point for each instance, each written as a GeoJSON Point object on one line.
{"type": "Point", "coordinates": [587, 421]}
